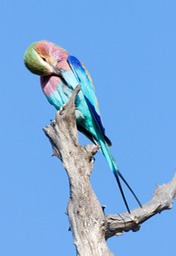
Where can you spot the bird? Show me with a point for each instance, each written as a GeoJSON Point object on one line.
{"type": "Point", "coordinates": [60, 73]}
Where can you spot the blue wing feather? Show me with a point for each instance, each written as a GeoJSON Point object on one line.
{"type": "Point", "coordinates": [88, 92]}
{"type": "Point", "coordinates": [82, 77]}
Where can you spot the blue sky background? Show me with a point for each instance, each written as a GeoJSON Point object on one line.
{"type": "Point", "coordinates": [129, 48]}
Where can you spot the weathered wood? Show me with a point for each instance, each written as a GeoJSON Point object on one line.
{"type": "Point", "coordinates": [89, 225]}
{"type": "Point", "coordinates": [86, 217]}
{"type": "Point", "coordinates": [162, 200]}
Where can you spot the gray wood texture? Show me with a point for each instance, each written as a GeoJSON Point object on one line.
{"type": "Point", "coordinates": [89, 225]}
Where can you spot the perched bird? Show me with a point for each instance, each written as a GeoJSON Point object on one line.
{"type": "Point", "coordinates": [60, 73]}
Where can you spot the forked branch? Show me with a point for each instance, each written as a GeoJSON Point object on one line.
{"type": "Point", "coordinates": [89, 225]}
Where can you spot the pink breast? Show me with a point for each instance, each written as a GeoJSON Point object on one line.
{"type": "Point", "coordinates": [49, 84]}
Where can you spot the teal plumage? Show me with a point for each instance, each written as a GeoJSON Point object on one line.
{"type": "Point", "coordinates": [60, 74]}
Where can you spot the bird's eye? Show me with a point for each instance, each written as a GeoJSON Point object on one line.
{"type": "Point", "coordinates": [43, 59]}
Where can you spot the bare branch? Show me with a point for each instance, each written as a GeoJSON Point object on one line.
{"type": "Point", "coordinates": [85, 213]}
{"type": "Point", "coordinates": [162, 200]}
{"type": "Point", "coordinates": [89, 225]}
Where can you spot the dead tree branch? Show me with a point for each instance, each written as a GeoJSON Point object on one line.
{"type": "Point", "coordinates": [162, 200]}
{"type": "Point", "coordinates": [85, 213]}
{"type": "Point", "coordinates": [89, 225]}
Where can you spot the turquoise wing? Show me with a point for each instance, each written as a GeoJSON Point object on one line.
{"type": "Point", "coordinates": [84, 80]}
{"type": "Point", "coordinates": [88, 91]}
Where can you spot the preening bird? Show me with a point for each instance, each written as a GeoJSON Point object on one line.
{"type": "Point", "coordinates": [60, 73]}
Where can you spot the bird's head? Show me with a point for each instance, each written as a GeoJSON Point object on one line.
{"type": "Point", "coordinates": [42, 57]}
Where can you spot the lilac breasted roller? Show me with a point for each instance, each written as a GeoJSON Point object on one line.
{"type": "Point", "coordinates": [60, 73]}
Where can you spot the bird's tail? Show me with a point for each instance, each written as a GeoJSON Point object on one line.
{"type": "Point", "coordinates": [113, 165]}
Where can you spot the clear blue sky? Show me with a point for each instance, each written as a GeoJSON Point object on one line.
{"type": "Point", "coordinates": [129, 48]}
